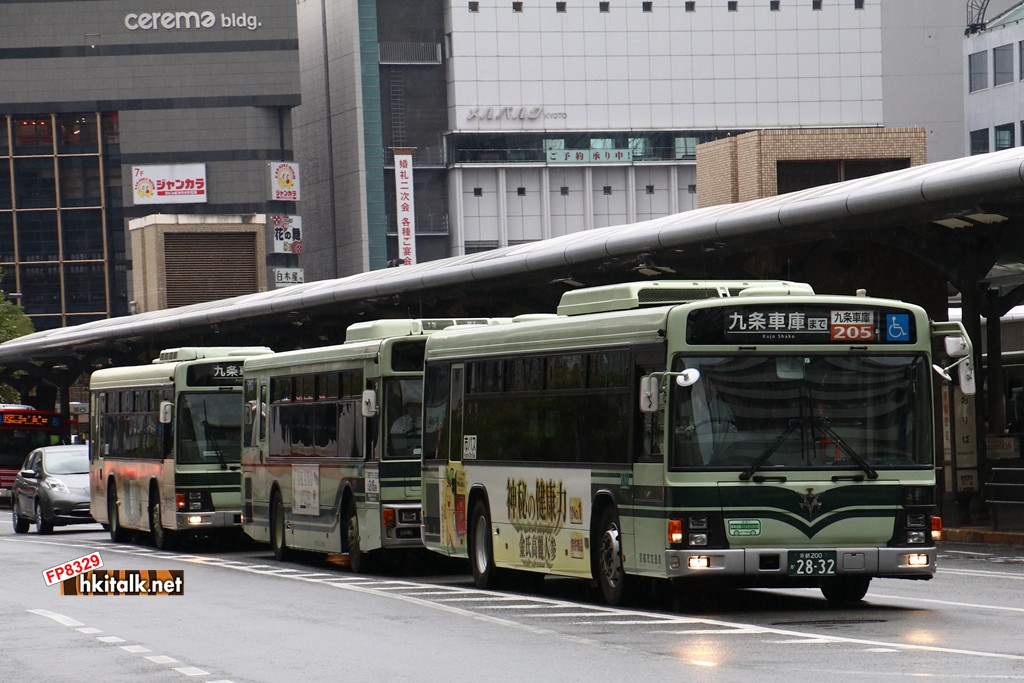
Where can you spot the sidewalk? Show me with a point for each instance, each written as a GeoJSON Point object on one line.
{"type": "Point", "coordinates": [982, 534]}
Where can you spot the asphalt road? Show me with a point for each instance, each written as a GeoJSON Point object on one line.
{"type": "Point", "coordinates": [246, 617]}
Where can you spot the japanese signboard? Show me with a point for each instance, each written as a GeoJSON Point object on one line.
{"type": "Point", "coordinates": [287, 235]}
{"type": "Point", "coordinates": [289, 276]}
{"type": "Point", "coordinates": [169, 184]}
{"type": "Point", "coordinates": [589, 156]}
{"type": "Point", "coordinates": [284, 181]}
{"type": "Point", "coordinates": [405, 208]}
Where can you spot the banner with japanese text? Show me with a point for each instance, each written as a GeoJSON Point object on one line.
{"type": "Point", "coordinates": [284, 181]}
{"type": "Point", "coordinates": [287, 234]}
{"type": "Point", "coordinates": [406, 209]}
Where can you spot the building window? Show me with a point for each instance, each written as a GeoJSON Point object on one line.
{"type": "Point", "coordinates": [607, 189]}
{"type": "Point", "coordinates": [559, 6]}
{"type": "Point", "coordinates": [979, 141]}
{"type": "Point", "coordinates": [692, 189]}
{"type": "Point", "coordinates": [648, 6]}
{"type": "Point", "coordinates": [478, 192]}
{"type": "Point", "coordinates": [1002, 65]}
{"type": "Point", "coordinates": [774, 5]}
{"type": "Point", "coordinates": [517, 7]}
{"type": "Point", "coordinates": [604, 6]}
{"type": "Point", "coordinates": [650, 189]}
{"type": "Point", "coordinates": [521, 191]}
{"type": "Point", "coordinates": [564, 191]}
{"type": "Point", "coordinates": [815, 4]}
{"type": "Point", "coordinates": [686, 148]}
{"type": "Point", "coordinates": [858, 4]}
{"type": "Point", "coordinates": [690, 6]}
{"type": "Point", "coordinates": [474, 6]}
{"type": "Point", "coordinates": [977, 65]}
{"type": "Point", "coordinates": [733, 5]}
{"type": "Point", "coordinates": [1004, 136]}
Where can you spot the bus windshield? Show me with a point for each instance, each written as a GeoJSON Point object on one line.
{"type": "Point", "coordinates": [209, 428]}
{"type": "Point", "coordinates": [758, 413]}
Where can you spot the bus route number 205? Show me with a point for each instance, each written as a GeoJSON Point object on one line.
{"type": "Point", "coordinates": [852, 332]}
{"type": "Point", "coordinates": [811, 563]}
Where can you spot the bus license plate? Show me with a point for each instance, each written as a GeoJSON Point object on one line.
{"type": "Point", "coordinates": [811, 563]}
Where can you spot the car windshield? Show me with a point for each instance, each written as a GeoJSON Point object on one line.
{"type": "Point", "coordinates": [66, 462]}
{"type": "Point", "coordinates": [756, 413]}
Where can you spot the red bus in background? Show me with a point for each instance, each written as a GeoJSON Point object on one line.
{"type": "Point", "coordinates": [23, 429]}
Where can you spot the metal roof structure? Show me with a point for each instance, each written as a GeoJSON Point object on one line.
{"type": "Point", "coordinates": [961, 218]}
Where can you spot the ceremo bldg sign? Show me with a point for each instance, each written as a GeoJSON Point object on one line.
{"type": "Point", "coordinates": [181, 20]}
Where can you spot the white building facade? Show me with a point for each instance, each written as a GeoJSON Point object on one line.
{"type": "Point", "coordinates": [994, 83]}
{"type": "Point", "coordinates": [562, 116]}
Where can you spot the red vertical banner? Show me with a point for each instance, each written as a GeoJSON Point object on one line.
{"type": "Point", "coordinates": [405, 208]}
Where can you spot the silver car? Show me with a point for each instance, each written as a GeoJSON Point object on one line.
{"type": "Point", "coordinates": [52, 489]}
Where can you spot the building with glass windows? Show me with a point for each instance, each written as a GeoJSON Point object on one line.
{"type": "Point", "coordinates": [100, 101]}
{"type": "Point", "coordinates": [994, 68]}
{"type": "Point", "coordinates": [529, 120]}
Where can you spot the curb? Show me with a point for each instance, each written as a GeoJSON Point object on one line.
{"type": "Point", "coordinates": [983, 535]}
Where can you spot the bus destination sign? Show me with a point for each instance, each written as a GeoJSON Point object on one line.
{"type": "Point", "coordinates": [219, 374]}
{"type": "Point", "coordinates": [30, 420]}
{"type": "Point", "coordinates": [800, 324]}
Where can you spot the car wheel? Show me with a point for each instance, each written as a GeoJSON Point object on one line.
{"type": "Point", "coordinates": [42, 526]}
{"type": "Point", "coordinates": [20, 523]}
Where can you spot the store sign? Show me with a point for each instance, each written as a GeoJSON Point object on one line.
{"type": "Point", "coordinates": [405, 208]}
{"type": "Point", "coordinates": [169, 184]}
{"type": "Point", "coordinates": [284, 181]}
{"type": "Point", "coordinates": [287, 235]}
{"type": "Point", "coordinates": [284, 277]}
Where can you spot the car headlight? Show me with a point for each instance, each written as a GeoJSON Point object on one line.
{"type": "Point", "coordinates": [57, 485]}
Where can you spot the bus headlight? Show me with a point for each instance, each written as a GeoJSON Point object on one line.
{"type": "Point", "coordinates": [916, 537]}
{"type": "Point", "coordinates": [675, 531]}
{"type": "Point", "coordinates": [195, 519]}
{"type": "Point", "coordinates": [699, 540]}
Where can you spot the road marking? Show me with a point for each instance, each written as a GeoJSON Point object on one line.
{"type": "Point", "coordinates": [191, 671]}
{"type": "Point", "coordinates": [110, 639]}
{"type": "Point", "coordinates": [59, 618]}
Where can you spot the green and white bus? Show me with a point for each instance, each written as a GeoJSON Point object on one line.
{"type": "Point", "coordinates": [750, 432]}
{"type": "Point", "coordinates": [165, 446]}
{"type": "Point", "coordinates": [330, 459]}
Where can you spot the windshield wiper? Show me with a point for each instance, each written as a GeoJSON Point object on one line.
{"type": "Point", "coordinates": [763, 458]}
{"type": "Point", "coordinates": [854, 455]}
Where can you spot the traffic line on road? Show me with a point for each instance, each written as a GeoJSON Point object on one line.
{"type": "Point", "coordinates": [65, 620]}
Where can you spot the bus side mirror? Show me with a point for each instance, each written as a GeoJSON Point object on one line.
{"type": "Point", "coordinates": [957, 347]}
{"type": "Point", "coordinates": [650, 394]}
{"type": "Point", "coordinates": [166, 412]}
{"type": "Point", "coordinates": [369, 403]}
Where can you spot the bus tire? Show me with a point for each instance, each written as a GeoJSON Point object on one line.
{"type": "Point", "coordinates": [845, 590]}
{"type": "Point", "coordinates": [117, 532]}
{"type": "Point", "coordinates": [481, 547]}
{"type": "Point", "coordinates": [278, 542]}
{"type": "Point", "coordinates": [163, 539]}
{"type": "Point", "coordinates": [608, 570]}
{"type": "Point", "coordinates": [42, 526]}
{"type": "Point", "coordinates": [357, 560]}
{"type": "Point", "coordinates": [19, 522]}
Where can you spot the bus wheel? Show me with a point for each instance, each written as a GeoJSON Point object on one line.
{"type": "Point", "coordinates": [277, 540]}
{"type": "Point", "coordinates": [845, 590]}
{"type": "Point", "coordinates": [163, 538]}
{"type": "Point", "coordinates": [42, 526]}
{"type": "Point", "coordinates": [20, 523]}
{"type": "Point", "coordinates": [481, 549]}
{"type": "Point", "coordinates": [117, 532]}
{"type": "Point", "coordinates": [356, 557]}
{"type": "Point", "coordinates": [608, 569]}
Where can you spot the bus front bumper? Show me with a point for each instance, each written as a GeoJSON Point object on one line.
{"type": "Point", "coordinates": [778, 563]}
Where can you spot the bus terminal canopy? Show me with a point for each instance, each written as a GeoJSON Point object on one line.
{"type": "Point", "coordinates": [897, 234]}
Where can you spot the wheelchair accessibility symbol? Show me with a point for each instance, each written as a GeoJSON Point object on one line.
{"type": "Point", "coordinates": [897, 327]}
